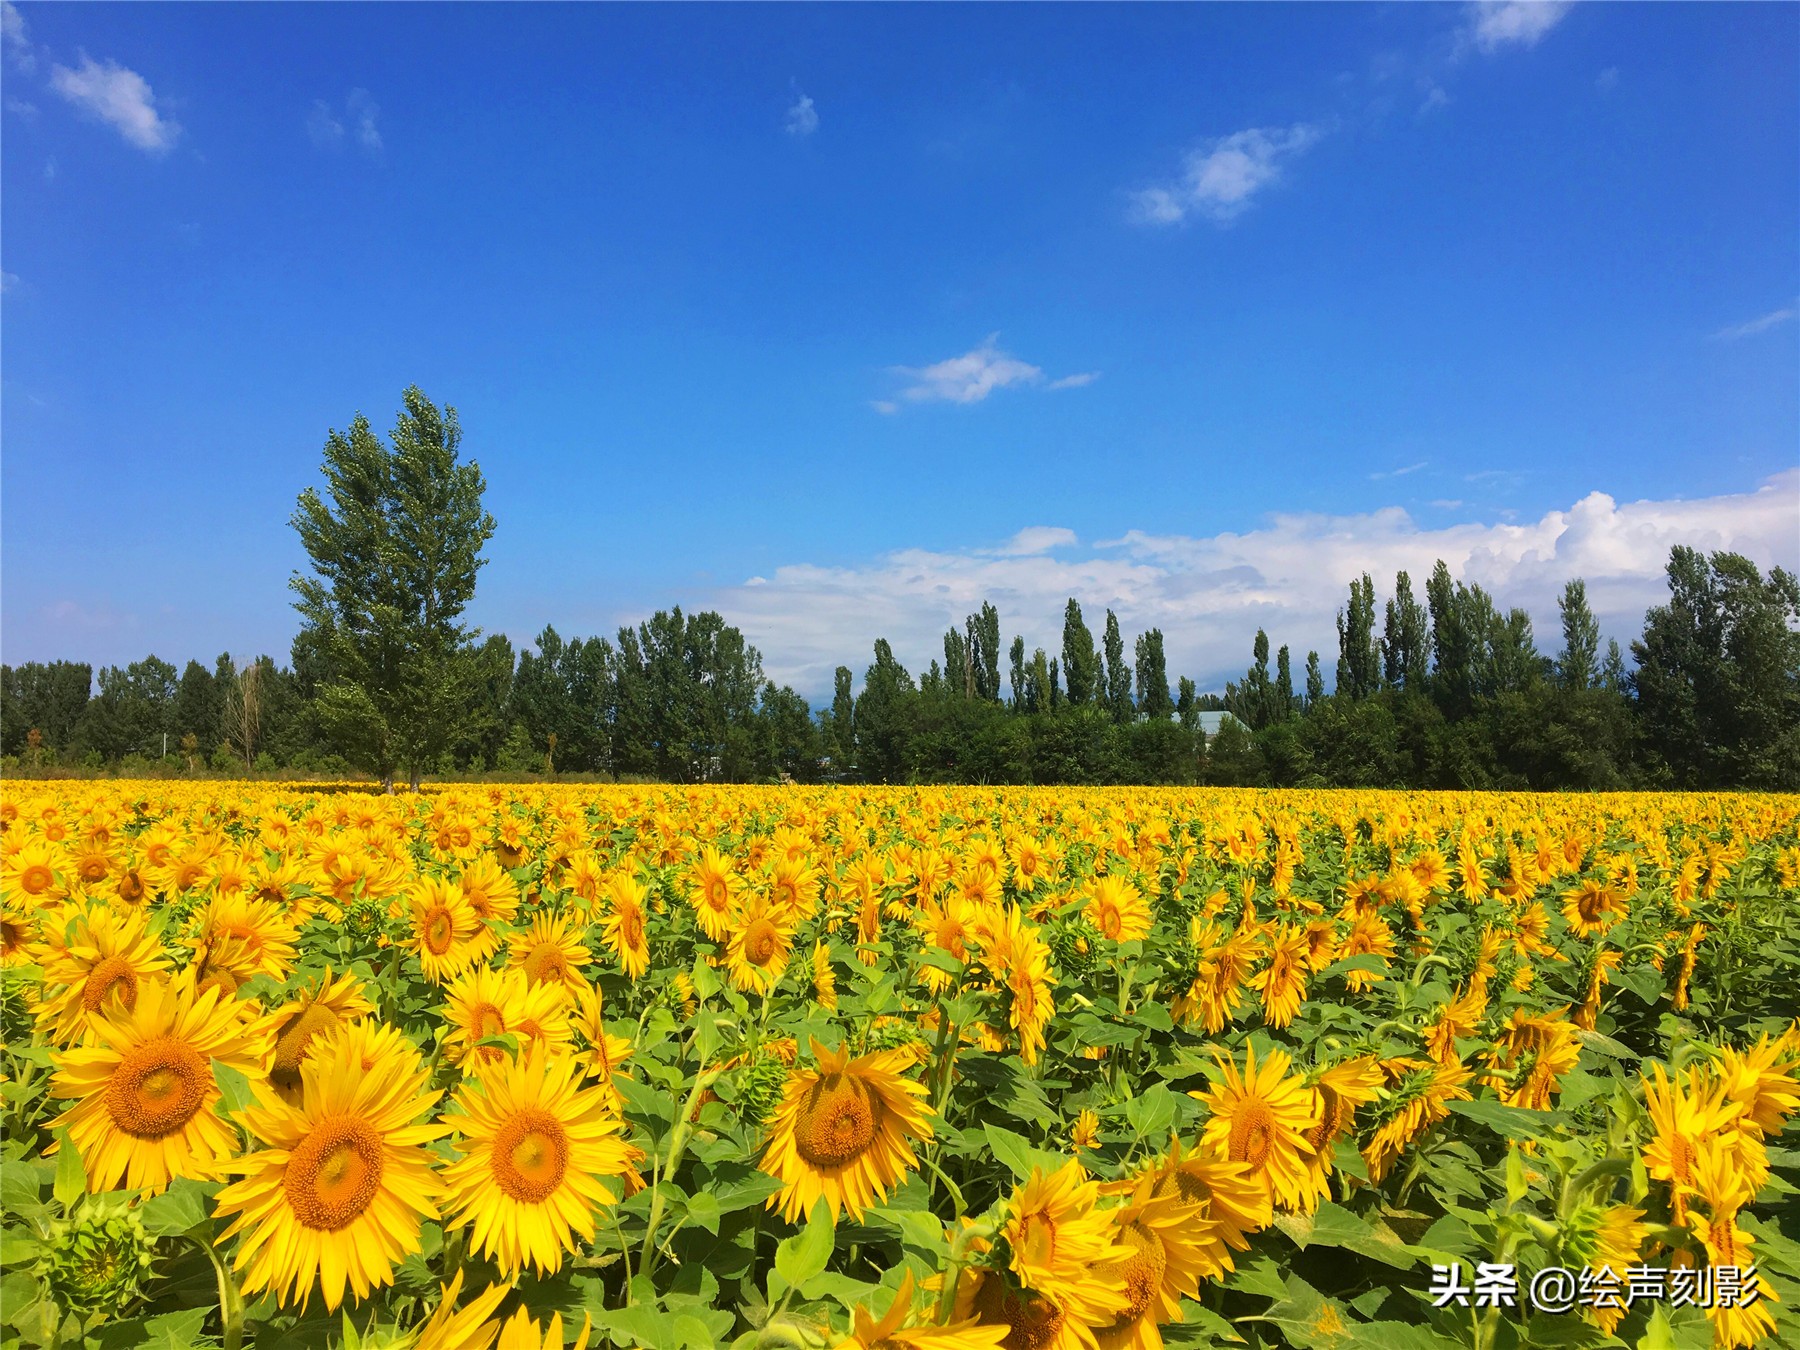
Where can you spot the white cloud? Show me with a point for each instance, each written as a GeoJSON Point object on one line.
{"type": "Point", "coordinates": [1220, 179]}
{"type": "Point", "coordinates": [1607, 80]}
{"type": "Point", "coordinates": [1210, 594]}
{"type": "Point", "coordinates": [802, 117]}
{"type": "Point", "coordinates": [1435, 98]}
{"type": "Point", "coordinates": [1494, 24]}
{"type": "Point", "coordinates": [363, 111]}
{"type": "Point", "coordinates": [18, 45]}
{"type": "Point", "coordinates": [327, 130]}
{"type": "Point", "coordinates": [8, 280]}
{"type": "Point", "coordinates": [23, 108]}
{"type": "Point", "coordinates": [119, 97]}
{"type": "Point", "coordinates": [1773, 319]}
{"type": "Point", "coordinates": [974, 375]}
{"type": "Point", "coordinates": [1036, 539]}
{"type": "Point", "coordinates": [1381, 474]}
{"type": "Point", "coordinates": [885, 406]}
{"type": "Point", "coordinates": [323, 126]}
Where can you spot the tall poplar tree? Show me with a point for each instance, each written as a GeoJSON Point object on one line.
{"type": "Point", "coordinates": [395, 542]}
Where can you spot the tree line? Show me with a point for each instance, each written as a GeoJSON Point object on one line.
{"type": "Point", "coordinates": [385, 678]}
{"type": "Point", "coordinates": [1441, 691]}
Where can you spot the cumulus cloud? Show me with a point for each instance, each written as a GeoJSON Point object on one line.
{"type": "Point", "coordinates": [1210, 594]}
{"type": "Point", "coordinates": [1220, 179]}
{"type": "Point", "coordinates": [121, 98]}
{"type": "Point", "coordinates": [358, 122]}
{"type": "Point", "coordinates": [1497, 24]}
{"type": "Point", "coordinates": [802, 117]}
{"type": "Point", "coordinates": [1773, 319]}
{"type": "Point", "coordinates": [974, 375]}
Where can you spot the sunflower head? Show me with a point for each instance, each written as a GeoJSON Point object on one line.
{"type": "Point", "coordinates": [100, 1256]}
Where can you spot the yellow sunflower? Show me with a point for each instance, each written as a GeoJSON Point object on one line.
{"type": "Point", "coordinates": [521, 1332]}
{"type": "Point", "coordinates": [842, 1132]}
{"type": "Point", "coordinates": [29, 875]}
{"type": "Point", "coordinates": [535, 1146]}
{"type": "Point", "coordinates": [1591, 907]}
{"type": "Point", "coordinates": [1064, 1246]}
{"type": "Point", "coordinates": [485, 1003]}
{"type": "Point", "coordinates": [1690, 1115]}
{"type": "Point", "coordinates": [1419, 1096]}
{"type": "Point", "coordinates": [1282, 982]}
{"type": "Point", "coordinates": [465, 1328]}
{"type": "Point", "coordinates": [446, 928]}
{"type": "Point", "coordinates": [761, 942]}
{"type": "Point", "coordinates": [551, 951]}
{"type": "Point", "coordinates": [103, 958]}
{"type": "Point", "coordinates": [715, 889]}
{"type": "Point", "coordinates": [1167, 1262]}
{"type": "Point", "coordinates": [143, 1088]}
{"type": "Point", "coordinates": [1337, 1092]}
{"type": "Point", "coordinates": [1262, 1117]}
{"type": "Point", "coordinates": [339, 1192]}
{"type": "Point", "coordinates": [1224, 1203]}
{"type": "Point", "coordinates": [1117, 909]}
{"type": "Point", "coordinates": [625, 932]}
{"type": "Point", "coordinates": [891, 1332]}
{"type": "Point", "coordinates": [320, 1008]}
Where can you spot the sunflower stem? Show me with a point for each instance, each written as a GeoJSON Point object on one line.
{"type": "Point", "coordinates": [231, 1301]}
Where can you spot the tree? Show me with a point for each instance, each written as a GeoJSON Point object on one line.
{"type": "Point", "coordinates": [840, 738]}
{"type": "Point", "coordinates": [1315, 680]}
{"type": "Point", "coordinates": [1118, 674]}
{"type": "Point", "coordinates": [1016, 673]}
{"type": "Point", "coordinates": [1251, 701]}
{"type": "Point", "coordinates": [982, 642]}
{"type": "Point", "coordinates": [1575, 668]}
{"type": "Point", "coordinates": [884, 713]}
{"type": "Point", "coordinates": [1718, 674]}
{"type": "Point", "coordinates": [46, 697]}
{"type": "Point", "coordinates": [1359, 664]}
{"type": "Point", "coordinates": [395, 543]}
{"type": "Point", "coordinates": [1153, 677]}
{"type": "Point", "coordinates": [1405, 645]}
{"type": "Point", "coordinates": [241, 721]}
{"type": "Point", "coordinates": [1186, 711]}
{"type": "Point", "coordinates": [1079, 661]}
{"type": "Point", "coordinates": [1282, 697]}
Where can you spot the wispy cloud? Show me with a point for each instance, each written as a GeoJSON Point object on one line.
{"type": "Point", "coordinates": [13, 33]}
{"type": "Point", "coordinates": [974, 375]}
{"type": "Point", "coordinates": [802, 116]}
{"type": "Point", "coordinates": [1498, 24]}
{"type": "Point", "coordinates": [360, 122]}
{"type": "Point", "coordinates": [1381, 474]}
{"type": "Point", "coordinates": [1221, 178]}
{"type": "Point", "coordinates": [121, 98]}
{"type": "Point", "coordinates": [8, 280]}
{"type": "Point", "coordinates": [1773, 319]}
{"type": "Point", "coordinates": [1210, 594]}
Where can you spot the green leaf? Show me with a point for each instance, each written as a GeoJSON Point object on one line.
{"type": "Point", "coordinates": [71, 1176]}
{"type": "Point", "coordinates": [1019, 1154]}
{"type": "Point", "coordinates": [180, 1209]}
{"type": "Point", "coordinates": [234, 1088]}
{"type": "Point", "coordinates": [703, 1211]}
{"type": "Point", "coordinates": [1643, 981]}
{"type": "Point", "coordinates": [1509, 1122]}
{"type": "Point", "coordinates": [167, 1331]}
{"type": "Point", "coordinates": [799, 1258]}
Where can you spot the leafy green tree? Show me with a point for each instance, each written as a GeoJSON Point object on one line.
{"type": "Point", "coordinates": [1016, 673]}
{"type": "Point", "coordinates": [1315, 679]}
{"type": "Point", "coordinates": [1251, 700]}
{"type": "Point", "coordinates": [1718, 674]}
{"type": "Point", "coordinates": [1282, 704]}
{"type": "Point", "coordinates": [1080, 663]}
{"type": "Point", "coordinates": [841, 734]}
{"type": "Point", "coordinates": [48, 697]}
{"type": "Point", "coordinates": [1359, 664]}
{"type": "Point", "coordinates": [395, 544]}
{"type": "Point", "coordinates": [1118, 674]}
{"type": "Point", "coordinates": [982, 642]}
{"type": "Point", "coordinates": [884, 716]}
{"type": "Point", "coordinates": [958, 673]}
{"type": "Point", "coordinates": [1406, 640]}
{"type": "Point", "coordinates": [198, 706]}
{"type": "Point", "coordinates": [1576, 667]}
{"type": "Point", "coordinates": [1454, 643]}
{"type": "Point", "coordinates": [1153, 677]}
{"type": "Point", "coordinates": [1186, 710]}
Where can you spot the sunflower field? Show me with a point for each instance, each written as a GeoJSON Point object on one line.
{"type": "Point", "coordinates": [942, 1068]}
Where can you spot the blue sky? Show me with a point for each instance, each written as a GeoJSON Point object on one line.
{"type": "Point", "coordinates": [840, 319]}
